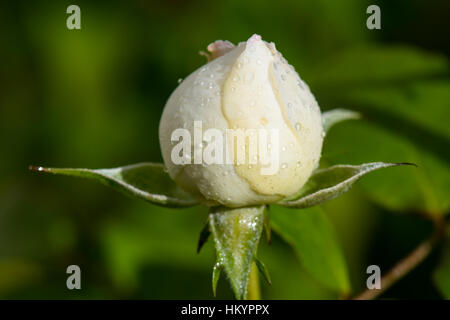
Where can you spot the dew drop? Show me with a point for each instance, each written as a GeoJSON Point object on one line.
{"type": "Point", "coordinates": [236, 78]}
{"type": "Point", "coordinates": [284, 165]}
{"type": "Point", "coordinates": [249, 77]}
{"type": "Point", "coordinates": [180, 80]}
{"type": "Point", "coordinates": [283, 148]}
{"type": "Point", "coordinates": [298, 126]}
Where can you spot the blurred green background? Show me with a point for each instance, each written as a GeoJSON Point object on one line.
{"type": "Point", "coordinates": [93, 98]}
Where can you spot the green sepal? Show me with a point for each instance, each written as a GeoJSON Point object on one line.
{"type": "Point", "coordinates": [236, 236]}
{"type": "Point", "coordinates": [147, 181]}
{"type": "Point", "coordinates": [327, 184]}
{"type": "Point", "coordinates": [332, 117]}
{"type": "Point", "coordinates": [215, 276]}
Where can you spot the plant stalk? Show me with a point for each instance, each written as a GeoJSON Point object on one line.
{"type": "Point", "coordinates": [404, 266]}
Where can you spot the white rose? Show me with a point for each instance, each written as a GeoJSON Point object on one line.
{"type": "Point", "coordinates": [248, 86]}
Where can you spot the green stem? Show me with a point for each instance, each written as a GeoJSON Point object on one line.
{"type": "Point", "coordinates": [254, 292]}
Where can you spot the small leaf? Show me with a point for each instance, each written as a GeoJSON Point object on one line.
{"type": "Point", "coordinates": [312, 236]}
{"type": "Point", "coordinates": [330, 118]}
{"type": "Point", "coordinates": [204, 235]}
{"type": "Point", "coordinates": [215, 277]}
{"type": "Point", "coordinates": [236, 236]}
{"type": "Point", "coordinates": [263, 270]}
{"type": "Point", "coordinates": [147, 181]}
{"type": "Point", "coordinates": [327, 184]}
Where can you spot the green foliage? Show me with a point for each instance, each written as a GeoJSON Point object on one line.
{"type": "Point", "coordinates": [405, 104]}
{"type": "Point", "coordinates": [313, 238]}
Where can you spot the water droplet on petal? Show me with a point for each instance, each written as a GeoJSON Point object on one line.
{"type": "Point", "coordinates": [248, 78]}
{"type": "Point", "coordinates": [298, 126]}
{"type": "Point", "coordinates": [284, 165]}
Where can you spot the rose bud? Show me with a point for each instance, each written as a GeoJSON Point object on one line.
{"type": "Point", "coordinates": [246, 88]}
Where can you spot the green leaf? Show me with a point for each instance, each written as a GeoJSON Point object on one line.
{"type": "Point", "coordinates": [375, 65]}
{"type": "Point", "coordinates": [327, 184]}
{"type": "Point", "coordinates": [236, 236]}
{"type": "Point", "coordinates": [403, 93]}
{"type": "Point", "coordinates": [423, 189]}
{"type": "Point", "coordinates": [147, 181]}
{"type": "Point", "coordinates": [313, 238]}
{"type": "Point", "coordinates": [330, 118]}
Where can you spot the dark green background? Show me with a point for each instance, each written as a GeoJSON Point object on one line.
{"type": "Point", "coordinates": [93, 98]}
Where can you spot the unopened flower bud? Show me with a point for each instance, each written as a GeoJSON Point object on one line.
{"type": "Point", "coordinates": [243, 88]}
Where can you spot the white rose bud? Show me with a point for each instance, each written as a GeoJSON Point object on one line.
{"type": "Point", "coordinates": [248, 86]}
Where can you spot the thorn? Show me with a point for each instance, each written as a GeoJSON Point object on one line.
{"type": "Point", "coordinates": [38, 169]}
{"type": "Point", "coordinates": [406, 164]}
